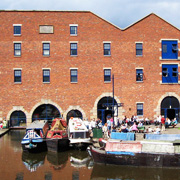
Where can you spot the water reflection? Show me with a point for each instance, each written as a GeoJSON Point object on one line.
{"type": "Point", "coordinates": [18, 165]}
{"type": "Point", "coordinates": [80, 159]}
{"type": "Point", "coordinates": [57, 160]}
{"type": "Point", "coordinates": [106, 172]}
{"type": "Point", "coordinates": [33, 161]}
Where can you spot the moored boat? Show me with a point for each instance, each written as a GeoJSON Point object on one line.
{"type": "Point", "coordinates": [57, 136]}
{"type": "Point", "coordinates": [138, 153]}
{"type": "Point", "coordinates": [35, 137]}
{"type": "Point", "coordinates": [78, 134]}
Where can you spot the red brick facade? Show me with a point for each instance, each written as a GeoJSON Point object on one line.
{"type": "Point", "coordinates": [90, 62]}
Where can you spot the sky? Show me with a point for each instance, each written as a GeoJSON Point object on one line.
{"type": "Point", "coordinates": [121, 13]}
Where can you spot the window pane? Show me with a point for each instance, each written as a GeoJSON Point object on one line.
{"type": "Point", "coordinates": [73, 29]}
{"type": "Point", "coordinates": [46, 72]}
{"type": "Point", "coordinates": [140, 109]}
{"type": "Point", "coordinates": [73, 49]}
{"type": "Point", "coordinates": [174, 72]}
{"type": "Point", "coordinates": [17, 49]}
{"type": "Point", "coordinates": [46, 75]}
{"type": "Point", "coordinates": [17, 73]}
{"type": "Point", "coordinates": [73, 75]}
{"type": "Point", "coordinates": [46, 49]}
{"type": "Point", "coordinates": [73, 72]}
{"type": "Point", "coordinates": [139, 75]}
{"type": "Point", "coordinates": [107, 49]}
{"type": "Point", "coordinates": [46, 52]}
{"type": "Point", "coordinates": [17, 29]}
{"type": "Point", "coordinates": [139, 49]}
{"type": "Point", "coordinates": [73, 79]}
{"type": "Point", "coordinates": [46, 79]}
{"type": "Point", "coordinates": [46, 46]}
{"type": "Point", "coordinates": [17, 76]}
{"type": "Point", "coordinates": [107, 75]}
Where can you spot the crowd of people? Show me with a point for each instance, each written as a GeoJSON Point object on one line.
{"type": "Point", "coordinates": [133, 124]}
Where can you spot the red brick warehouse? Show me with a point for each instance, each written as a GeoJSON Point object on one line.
{"type": "Point", "coordinates": [61, 63]}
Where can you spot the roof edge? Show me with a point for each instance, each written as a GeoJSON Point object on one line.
{"type": "Point", "coordinates": [61, 11]}
{"type": "Point", "coordinates": [147, 17]}
{"type": "Point", "coordinates": [19, 10]}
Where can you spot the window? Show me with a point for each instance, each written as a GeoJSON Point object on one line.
{"type": "Point", "coordinates": [17, 76]}
{"type": "Point", "coordinates": [139, 49]}
{"type": "Point", "coordinates": [17, 49]}
{"type": "Point", "coordinates": [169, 49]}
{"type": "Point", "coordinates": [139, 109]}
{"type": "Point", "coordinates": [73, 30]}
{"type": "Point", "coordinates": [107, 49]}
{"type": "Point", "coordinates": [46, 75]}
{"type": "Point", "coordinates": [169, 73]}
{"type": "Point", "coordinates": [46, 49]}
{"type": "Point", "coordinates": [73, 49]}
{"type": "Point", "coordinates": [139, 75]}
{"type": "Point", "coordinates": [107, 75]}
{"type": "Point", "coordinates": [74, 74]}
{"type": "Point", "coordinates": [17, 29]}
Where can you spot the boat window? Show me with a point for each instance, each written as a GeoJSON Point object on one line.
{"type": "Point", "coordinates": [79, 135]}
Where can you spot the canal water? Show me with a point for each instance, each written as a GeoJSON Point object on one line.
{"type": "Point", "coordinates": [70, 165]}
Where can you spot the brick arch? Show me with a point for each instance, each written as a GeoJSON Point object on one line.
{"type": "Point", "coordinates": [17, 108]}
{"type": "Point", "coordinates": [74, 108]}
{"type": "Point", "coordinates": [44, 101]}
{"type": "Point", "coordinates": [107, 94]}
{"type": "Point", "coordinates": [158, 108]}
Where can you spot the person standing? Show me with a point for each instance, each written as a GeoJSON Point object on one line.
{"type": "Point", "coordinates": [163, 123]}
{"type": "Point", "coordinates": [109, 125]}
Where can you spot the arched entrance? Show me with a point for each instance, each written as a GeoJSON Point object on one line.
{"type": "Point", "coordinates": [46, 112]}
{"type": "Point", "coordinates": [170, 107]}
{"type": "Point", "coordinates": [18, 119]}
{"type": "Point", "coordinates": [105, 108]}
{"type": "Point", "coordinates": [74, 113]}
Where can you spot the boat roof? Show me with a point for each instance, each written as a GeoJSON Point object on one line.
{"type": "Point", "coordinates": [77, 125]}
{"type": "Point", "coordinates": [38, 124]}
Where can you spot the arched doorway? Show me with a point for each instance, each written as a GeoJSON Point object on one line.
{"type": "Point", "coordinates": [46, 112]}
{"type": "Point", "coordinates": [74, 113]}
{"type": "Point", "coordinates": [170, 107]}
{"type": "Point", "coordinates": [105, 108]}
{"type": "Point", "coordinates": [18, 119]}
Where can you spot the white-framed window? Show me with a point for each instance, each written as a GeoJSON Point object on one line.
{"type": "Point", "coordinates": [73, 29]}
{"type": "Point", "coordinates": [17, 29]}
{"type": "Point", "coordinates": [107, 48]}
{"type": "Point", "coordinates": [17, 76]}
{"type": "Point", "coordinates": [139, 49]}
{"type": "Point", "coordinates": [107, 75]}
{"type": "Point", "coordinates": [46, 75]}
{"type": "Point", "coordinates": [139, 75]}
{"type": "Point", "coordinates": [73, 49]}
{"type": "Point", "coordinates": [140, 107]}
{"type": "Point", "coordinates": [46, 48]}
{"type": "Point", "coordinates": [17, 48]}
{"type": "Point", "coordinates": [73, 75]}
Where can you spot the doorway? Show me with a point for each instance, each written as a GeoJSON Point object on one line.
{"type": "Point", "coordinates": [170, 108]}
{"type": "Point", "coordinates": [105, 108]}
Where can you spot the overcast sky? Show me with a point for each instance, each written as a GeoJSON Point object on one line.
{"type": "Point", "coordinates": [122, 13]}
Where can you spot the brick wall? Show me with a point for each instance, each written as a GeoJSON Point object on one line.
{"type": "Point", "coordinates": [90, 61]}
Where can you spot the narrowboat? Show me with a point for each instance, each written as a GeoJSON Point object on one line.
{"type": "Point", "coordinates": [35, 137]}
{"type": "Point", "coordinates": [78, 133]}
{"type": "Point", "coordinates": [57, 136]}
{"type": "Point", "coordinates": [138, 153]}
